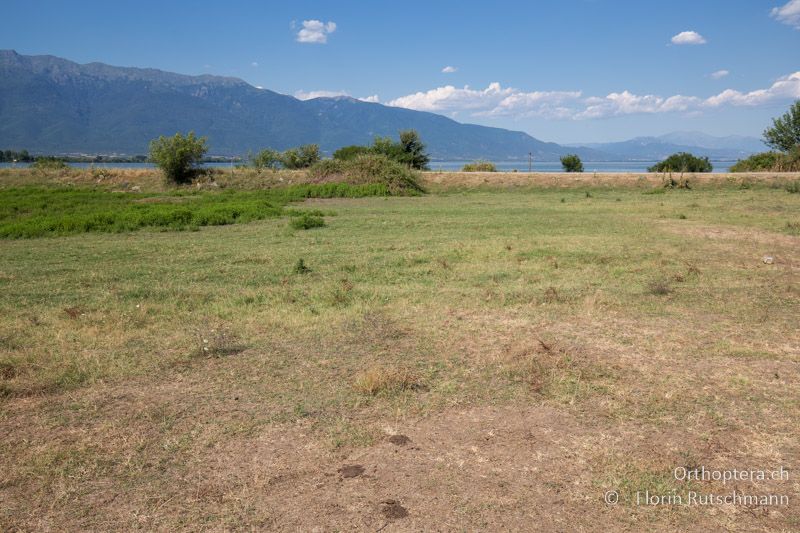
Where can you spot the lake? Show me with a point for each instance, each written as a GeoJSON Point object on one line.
{"type": "Point", "coordinates": [503, 166]}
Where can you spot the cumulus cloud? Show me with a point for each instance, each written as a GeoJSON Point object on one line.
{"type": "Point", "coordinates": [719, 74]}
{"type": "Point", "coordinates": [496, 100]}
{"type": "Point", "coordinates": [789, 13]}
{"type": "Point", "coordinates": [315, 31]}
{"type": "Point", "coordinates": [449, 98]}
{"type": "Point", "coordinates": [254, 64]}
{"type": "Point", "coordinates": [449, 70]}
{"type": "Point", "coordinates": [688, 37]}
{"type": "Point", "coordinates": [785, 88]}
{"type": "Point", "coordinates": [308, 95]}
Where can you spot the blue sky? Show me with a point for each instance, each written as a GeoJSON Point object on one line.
{"type": "Point", "coordinates": [564, 71]}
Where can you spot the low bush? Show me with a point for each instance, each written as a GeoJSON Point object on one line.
{"type": "Point", "coordinates": [307, 221]}
{"type": "Point", "coordinates": [682, 162]}
{"type": "Point", "coordinates": [763, 162]}
{"type": "Point", "coordinates": [479, 166]}
{"type": "Point", "coordinates": [49, 163]}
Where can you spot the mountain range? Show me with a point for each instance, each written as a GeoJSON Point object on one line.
{"type": "Point", "coordinates": [53, 105]}
{"type": "Point", "coordinates": [700, 144]}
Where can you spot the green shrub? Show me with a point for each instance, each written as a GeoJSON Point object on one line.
{"type": "Point", "coordinates": [479, 166]}
{"type": "Point", "coordinates": [370, 169]}
{"type": "Point", "coordinates": [177, 156]}
{"type": "Point", "coordinates": [793, 187]}
{"type": "Point", "coordinates": [349, 152]}
{"type": "Point", "coordinates": [762, 162]}
{"type": "Point", "coordinates": [682, 162]}
{"type": "Point", "coordinates": [266, 158]}
{"type": "Point", "coordinates": [307, 221]}
{"type": "Point", "coordinates": [571, 163]}
{"type": "Point", "coordinates": [49, 163]}
{"type": "Point", "coordinates": [300, 157]}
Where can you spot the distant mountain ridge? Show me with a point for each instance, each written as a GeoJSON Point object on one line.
{"type": "Point", "coordinates": [700, 144]}
{"type": "Point", "coordinates": [49, 104]}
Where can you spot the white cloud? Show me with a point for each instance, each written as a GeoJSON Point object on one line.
{"type": "Point", "coordinates": [449, 70]}
{"type": "Point", "coordinates": [789, 13]}
{"type": "Point", "coordinates": [785, 88]}
{"type": "Point", "coordinates": [308, 95]}
{"type": "Point", "coordinates": [496, 100]}
{"type": "Point", "coordinates": [449, 98]}
{"type": "Point", "coordinates": [315, 31]}
{"type": "Point", "coordinates": [719, 74]}
{"type": "Point", "coordinates": [303, 95]}
{"type": "Point", "coordinates": [254, 64]}
{"type": "Point", "coordinates": [688, 37]}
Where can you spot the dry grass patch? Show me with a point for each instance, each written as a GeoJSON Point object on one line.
{"type": "Point", "coordinates": [387, 380]}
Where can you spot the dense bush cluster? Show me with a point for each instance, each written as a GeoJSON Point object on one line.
{"type": "Point", "coordinates": [367, 169]}
{"type": "Point", "coordinates": [409, 151]}
{"type": "Point", "coordinates": [770, 162]}
{"type": "Point", "coordinates": [682, 162]}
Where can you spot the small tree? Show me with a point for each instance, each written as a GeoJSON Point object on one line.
{"type": "Point", "coordinates": [266, 158]}
{"type": "Point", "coordinates": [571, 163]}
{"type": "Point", "coordinates": [301, 157]}
{"type": "Point", "coordinates": [177, 156]}
{"type": "Point", "coordinates": [785, 131]}
{"type": "Point", "coordinates": [413, 150]}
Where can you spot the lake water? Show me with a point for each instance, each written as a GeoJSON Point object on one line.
{"type": "Point", "coordinates": [502, 166]}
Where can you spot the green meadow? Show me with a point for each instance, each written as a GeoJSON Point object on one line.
{"type": "Point", "coordinates": [141, 366]}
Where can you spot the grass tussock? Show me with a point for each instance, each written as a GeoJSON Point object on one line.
{"type": "Point", "coordinates": [386, 380]}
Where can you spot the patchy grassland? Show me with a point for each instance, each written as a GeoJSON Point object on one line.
{"type": "Point", "coordinates": [538, 345]}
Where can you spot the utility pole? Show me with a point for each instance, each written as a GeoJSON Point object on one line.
{"type": "Point", "coordinates": [530, 162]}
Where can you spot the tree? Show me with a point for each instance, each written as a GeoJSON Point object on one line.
{"type": "Point", "coordinates": [266, 158]}
{"type": "Point", "coordinates": [682, 162]}
{"type": "Point", "coordinates": [177, 156]}
{"type": "Point", "coordinates": [413, 150]}
{"type": "Point", "coordinates": [785, 131]}
{"type": "Point", "coordinates": [301, 157]}
{"type": "Point", "coordinates": [571, 163]}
